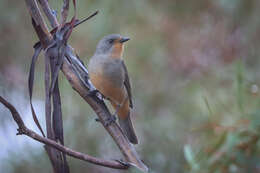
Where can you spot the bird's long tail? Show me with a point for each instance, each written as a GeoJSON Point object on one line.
{"type": "Point", "coordinates": [128, 129]}
{"type": "Point", "coordinates": [125, 121]}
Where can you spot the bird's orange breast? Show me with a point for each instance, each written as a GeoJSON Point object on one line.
{"type": "Point", "coordinates": [108, 87]}
{"type": "Point", "coordinates": [118, 50]}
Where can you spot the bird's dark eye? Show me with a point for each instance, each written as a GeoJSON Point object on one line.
{"type": "Point", "coordinates": [111, 40]}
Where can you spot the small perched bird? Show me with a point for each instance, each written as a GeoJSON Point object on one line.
{"type": "Point", "coordinates": [109, 75]}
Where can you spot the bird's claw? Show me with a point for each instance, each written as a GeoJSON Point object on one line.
{"type": "Point", "coordinates": [92, 93]}
{"type": "Point", "coordinates": [123, 162]}
{"type": "Point", "coordinates": [95, 92]}
{"type": "Point", "coordinates": [108, 121]}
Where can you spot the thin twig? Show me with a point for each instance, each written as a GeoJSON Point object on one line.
{"type": "Point", "coordinates": [84, 20]}
{"type": "Point", "coordinates": [23, 130]}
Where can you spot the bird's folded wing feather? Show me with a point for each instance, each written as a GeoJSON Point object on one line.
{"type": "Point", "coordinates": [127, 84]}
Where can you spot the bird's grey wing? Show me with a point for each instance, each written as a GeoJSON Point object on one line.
{"type": "Point", "coordinates": [127, 85]}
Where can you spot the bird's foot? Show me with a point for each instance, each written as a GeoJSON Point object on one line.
{"type": "Point", "coordinates": [104, 97]}
{"type": "Point", "coordinates": [95, 92]}
{"type": "Point", "coordinates": [123, 162]}
{"type": "Point", "coordinates": [108, 121]}
{"type": "Point", "coordinates": [92, 93]}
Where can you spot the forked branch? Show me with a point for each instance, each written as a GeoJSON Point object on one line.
{"type": "Point", "coordinates": [77, 75]}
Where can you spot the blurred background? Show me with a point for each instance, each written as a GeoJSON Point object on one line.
{"type": "Point", "coordinates": [194, 67]}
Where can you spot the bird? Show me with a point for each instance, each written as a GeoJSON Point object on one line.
{"type": "Point", "coordinates": [109, 75]}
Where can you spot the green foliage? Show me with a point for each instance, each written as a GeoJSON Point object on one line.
{"type": "Point", "coordinates": [233, 146]}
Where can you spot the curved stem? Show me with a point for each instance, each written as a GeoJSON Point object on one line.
{"type": "Point", "coordinates": [23, 130]}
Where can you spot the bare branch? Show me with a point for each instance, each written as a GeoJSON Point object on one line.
{"type": "Point", "coordinates": [23, 130]}
{"type": "Point", "coordinates": [14, 112]}
{"type": "Point", "coordinates": [75, 80]}
{"type": "Point", "coordinates": [64, 12]}
{"type": "Point", "coordinates": [49, 13]}
{"type": "Point", "coordinates": [36, 15]}
{"type": "Point", "coordinates": [58, 162]}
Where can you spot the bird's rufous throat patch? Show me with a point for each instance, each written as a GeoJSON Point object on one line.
{"type": "Point", "coordinates": [118, 49]}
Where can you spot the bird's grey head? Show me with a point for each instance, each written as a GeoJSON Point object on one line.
{"type": "Point", "coordinates": [106, 44]}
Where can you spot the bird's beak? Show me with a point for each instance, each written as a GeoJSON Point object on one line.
{"type": "Point", "coordinates": [124, 39]}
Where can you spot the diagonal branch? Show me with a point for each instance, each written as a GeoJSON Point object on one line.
{"type": "Point", "coordinates": [23, 130]}
{"type": "Point", "coordinates": [64, 12]}
{"type": "Point", "coordinates": [36, 15]}
{"type": "Point", "coordinates": [49, 13]}
{"type": "Point", "coordinates": [73, 69]}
